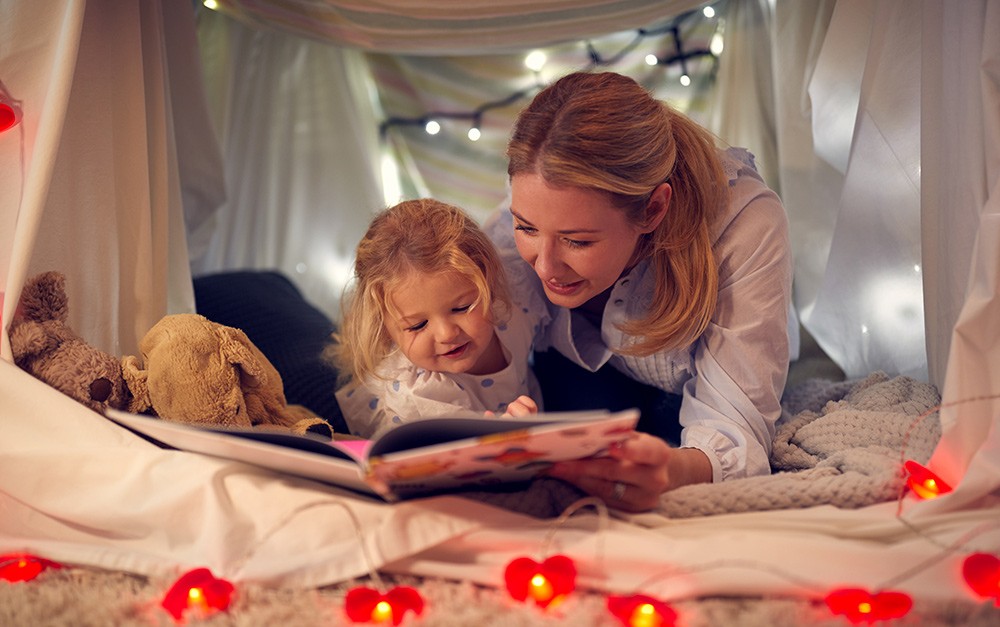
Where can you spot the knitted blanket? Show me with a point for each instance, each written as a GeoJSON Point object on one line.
{"type": "Point", "coordinates": [846, 451]}
{"type": "Point", "coordinates": [837, 443]}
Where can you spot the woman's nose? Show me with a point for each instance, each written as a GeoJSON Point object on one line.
{"type": "Point", "coordinates": [547, 262]}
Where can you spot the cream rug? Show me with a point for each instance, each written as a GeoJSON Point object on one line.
{"type": "Point", "coordinates": [82, 597]}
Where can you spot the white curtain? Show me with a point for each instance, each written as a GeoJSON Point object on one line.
{"type": "Point", "coordinates": [91, 181]}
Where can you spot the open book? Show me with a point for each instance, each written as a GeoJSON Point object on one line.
{"type": "Point", "coordinates": [413, 459]}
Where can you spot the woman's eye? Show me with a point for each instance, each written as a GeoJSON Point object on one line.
{"type": "Point", "coordinates": [575, 243]}
{"type": "Point", "coordinates": [527, 230]}
{"type": "Point", "coordinates": [417, 326]}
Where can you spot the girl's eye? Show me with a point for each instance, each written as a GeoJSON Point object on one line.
{"type": "Point", "coordinates": [461, 309]}
{"type": "Point", "coordinates": [417, 327]}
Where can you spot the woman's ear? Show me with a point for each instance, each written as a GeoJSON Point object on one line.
{"type": "Point", "coordinates": [656, 208]}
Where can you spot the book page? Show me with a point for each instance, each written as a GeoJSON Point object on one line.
{"type": "Point", "coordinates": [502, 455]}
{"type": "Point", "coordinates": [302, 456]}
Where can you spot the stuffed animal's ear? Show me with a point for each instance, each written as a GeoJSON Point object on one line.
{"type": "Point", "coordinates": [239, 351]}
{"type": "Point", "coordinates": [137, 381]}
{"type": "Point", "coordinates": [44, 297]}
{"type": "Point", "coordinates": [29, 338]}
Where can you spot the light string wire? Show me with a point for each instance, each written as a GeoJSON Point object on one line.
{"type": "Point", "coordinates": [287, 518]}
{"type": "Point", "coordinates": [602, 524]}
{"type": "Point", "coordinates": [595, 60]}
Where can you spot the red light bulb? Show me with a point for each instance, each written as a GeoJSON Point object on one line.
{"type": "Point", "coordinates": [367, 605]}
{"type": "Point", "coordinates": [641, 611]}
{"type": "Point", "coordinates": [200, 592]}
{"type": "Point", "coordinates": [982, 572]}
{"type": "Point", "coordinates": [546, 584]}
{"type": "Point", "coordinates": [923, 482]}
{"type": "Point", "coordinates": [861, 606]}
{"type": "Point", "coordinates": [16, 567]}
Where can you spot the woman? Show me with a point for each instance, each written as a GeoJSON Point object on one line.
{"type": "Point", "coordinates": [661, 257]}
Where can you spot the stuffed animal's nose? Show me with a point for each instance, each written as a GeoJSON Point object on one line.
{"type": "Point", "coordinates": [100, 390]}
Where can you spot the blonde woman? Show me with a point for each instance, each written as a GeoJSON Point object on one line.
{"type": "Point", "coordinates": [665, 260]}
{"type": "Point", "coordinates": [429, 327]}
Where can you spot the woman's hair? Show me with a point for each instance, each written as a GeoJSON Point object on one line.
{"type": "Point", "coordinates": [605, 132]}
{"type": "Point", "coordinates": [425, 236]}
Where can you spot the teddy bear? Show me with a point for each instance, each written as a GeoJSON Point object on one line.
{"type": "Point", "coordinates": [43, 344]}
{"type": "Point", "coordinates": [196, 371]}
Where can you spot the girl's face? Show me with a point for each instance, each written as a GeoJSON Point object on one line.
{"type": "Point", "coordinates": [577, 242]}
{"type": "Point", "coordinates": [433, 322]}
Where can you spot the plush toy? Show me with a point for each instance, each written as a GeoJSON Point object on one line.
{"type": "Point", "coordinates": [197, 371]}
{"type": "Point", "coordinates": [43, 344]}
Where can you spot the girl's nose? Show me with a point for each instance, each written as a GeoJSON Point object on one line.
{"type": "Point", "coordinates": [446, 332]}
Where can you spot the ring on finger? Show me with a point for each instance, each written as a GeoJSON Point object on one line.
{"type": "Point", "coordinates": [618, 490]}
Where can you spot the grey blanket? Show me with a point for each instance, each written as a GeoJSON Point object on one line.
{"type": "Point", "coordinates": [837, 443]}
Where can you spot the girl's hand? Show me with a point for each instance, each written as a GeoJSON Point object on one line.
{"type": "Point", "coordinates": [518, 408]}
{"type": "Point", "coordinates": [521, 406]}
{"type": "Point", "coordinates": [637, 472]}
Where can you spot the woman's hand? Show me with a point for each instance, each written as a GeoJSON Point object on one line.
{"type": "Point", "coordinates": [637, 472]}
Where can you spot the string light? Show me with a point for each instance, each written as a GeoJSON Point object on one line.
{"type": "Point", "coordinates": [10, 110]}
{"type": "Point", "coordinates": [924, 483]}
{"type": "Point", "coordinates": [861, 606]}
{"type": "Point", "coordinates": [640, 610]}
{"type": "Point", "coordinates": [982, 573]}
{"type": "Point", "coordinates": [17, 567]}
{"type": "Point", "coordinates": [546, 583]}
{"type": "Point", "coordinates": [536, 60]}
{"type": "Point", "coordinates": [368, 605]}
{"type": "Point", "coordinates": [198, 592]}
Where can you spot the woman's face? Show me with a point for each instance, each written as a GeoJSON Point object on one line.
{"type": "Point", "coordinates": [577, 242]}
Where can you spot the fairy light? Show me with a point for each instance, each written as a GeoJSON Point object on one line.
{"type": "Point", "coordinates": [18, 567]}
{"type": "Point", "coordinates": [198, 592]}
{"type": "Point", "coordinates": [536, 60]}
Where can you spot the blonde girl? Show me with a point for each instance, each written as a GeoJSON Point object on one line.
{"type": "Point", "coordinates": [429, 326]}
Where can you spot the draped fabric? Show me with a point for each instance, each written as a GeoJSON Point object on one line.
{"type": "Point", "coordinates": [886, 119]}
{"type": "Point", "coordinates": [91, 181]}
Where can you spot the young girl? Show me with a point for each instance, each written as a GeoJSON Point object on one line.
{"type": "Point", "coordinates": [429, 328]}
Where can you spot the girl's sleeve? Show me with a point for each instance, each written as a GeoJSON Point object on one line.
{"type": "Point", "coordinates": [731, 405]}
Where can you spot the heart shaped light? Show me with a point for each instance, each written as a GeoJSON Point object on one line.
{"type": "Point", "coordinates": [546, 584]}
{"type": "Point", "coordinates": [861, 606]}
{"type": "Point", "coordinates": [15, 567]}
{"type": "Point", "coordinates": [982, 573]}
{"type": "Point", "coordinates": [923, 482]}
{"type": "Point", "coordinates": [640, 610]}
{"type": "Point", "coordinates": [367, 605]}
{"type": "Point", "coordinates": [199, 592]}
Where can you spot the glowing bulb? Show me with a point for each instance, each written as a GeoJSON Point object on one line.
{"type": "Point", "coordinates": [211, 4]}
{"type": "Point", "coordinates": [716, 45]}
{"type": "Point", "coordinates": [474, 134]}
{"type": "Point", "coordinates": [708, 12]}
{"type": "Point", "coordinates": [923, 482]}
{"type": "Point", "coordinates": [535, 60]}
{"type": "Point", "coordinates": [651, 59]}
{"type": "Point", "coordinates": [685, 80]}
{"type": "Point", "coordinates": [432, 127]}
{"type": "Point", "coordinates": [381, 612]}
